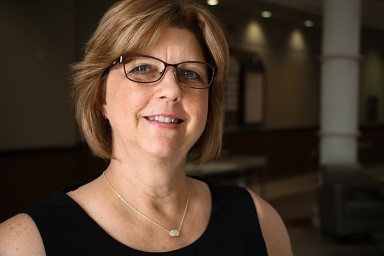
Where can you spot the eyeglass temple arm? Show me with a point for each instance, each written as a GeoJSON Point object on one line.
{"type": "Point", "coordinates": [118, 60]}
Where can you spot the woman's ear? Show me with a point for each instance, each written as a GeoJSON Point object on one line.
{"type": "Point", "coordinates": [104, 110]}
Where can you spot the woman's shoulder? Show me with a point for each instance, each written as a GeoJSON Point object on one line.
{"type": "Point", "coordinates": [19, 235]}
{"type": "Point", "coordinates": [273, 228]}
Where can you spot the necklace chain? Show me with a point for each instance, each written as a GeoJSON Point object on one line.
{"type": "Point", "coordinates": [172, 232]}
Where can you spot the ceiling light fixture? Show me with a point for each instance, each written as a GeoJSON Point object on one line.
{"type": "Point", "coordinates": [309, 23]}
{"type": "Point", "coordinates": [212, 2]}
{"type": "Point", "coordinates": [266, 14]}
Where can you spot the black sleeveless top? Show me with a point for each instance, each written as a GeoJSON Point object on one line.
{"type": "Point", "coordinates": [233, 229]}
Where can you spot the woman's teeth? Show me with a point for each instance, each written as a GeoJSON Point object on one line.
{"type": "Point", "coordinates": [163, 119]}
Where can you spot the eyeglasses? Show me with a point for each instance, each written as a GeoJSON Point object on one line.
{"type": "Point", "coordinates": [147, 69]}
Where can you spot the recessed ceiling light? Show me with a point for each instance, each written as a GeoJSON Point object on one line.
{"type": "Point", "coordinates": [309, 23]}
{"type": "Point", "coordinates": [266, 14]}
{"type": "Point", "coordinates": [213, 2]}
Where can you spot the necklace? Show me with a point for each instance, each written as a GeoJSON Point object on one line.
{"type": "Point", "coordinates": [172, 232]}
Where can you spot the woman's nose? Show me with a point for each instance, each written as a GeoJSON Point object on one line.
{"type": "Point", "coordinates": [170, 87]}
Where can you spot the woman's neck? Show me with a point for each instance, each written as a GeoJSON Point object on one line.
{"type": "Point", "coordinates": [151, 179]}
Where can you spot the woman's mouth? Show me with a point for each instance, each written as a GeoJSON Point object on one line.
{"type": "Point", "coordinates": [165, 119]}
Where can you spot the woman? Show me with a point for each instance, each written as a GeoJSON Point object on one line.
{"type": "Point", "coordinates": [149, 95]}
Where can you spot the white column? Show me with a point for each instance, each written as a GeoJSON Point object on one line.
{"type": "Point", "coordinates": [339, 82]}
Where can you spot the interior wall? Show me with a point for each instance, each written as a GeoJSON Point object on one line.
{"type": "Point", "coordinates": [37, 43]}
{"type": "Point", "coordinates": [290, 54]}
{"type": "Point", "coordinates": [291, 57]}
{"type": "Point", "coordinates": [372, 78]}
{"type": "Point", "coordinates": [40, 40]}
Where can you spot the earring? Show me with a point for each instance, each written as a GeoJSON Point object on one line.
{"type": "Point", "coordinates": [105, 115]}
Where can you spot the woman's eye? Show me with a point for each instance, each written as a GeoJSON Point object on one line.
{"type": "Point", "coordinates": [190, 74]}
{"type": "Point", "coordinates": [141, 69]}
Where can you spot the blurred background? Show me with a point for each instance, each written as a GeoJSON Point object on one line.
{"type": "Point", "coordinates": [304, 111]}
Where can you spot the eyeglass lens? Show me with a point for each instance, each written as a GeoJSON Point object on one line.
{"type": "Point", "coordinates": [147, 70]}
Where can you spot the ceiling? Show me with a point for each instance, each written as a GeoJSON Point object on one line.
{"type": "Point", "coordinates": [295, 10]}
{"type": "Point", "coordinates": [372, 10]}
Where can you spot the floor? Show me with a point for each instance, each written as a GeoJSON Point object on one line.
{"type": "Point", "coordinates": [295, 200]}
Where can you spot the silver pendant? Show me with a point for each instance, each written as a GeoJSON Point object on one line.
{"type": "Point", "coordinates": [174, 233]}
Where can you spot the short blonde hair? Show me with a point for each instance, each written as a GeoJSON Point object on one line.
{"type": "Point", "coordinates": [122, 30]}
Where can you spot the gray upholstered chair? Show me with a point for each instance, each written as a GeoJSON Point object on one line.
{"type": "Point", "coordinates": [350, 201]}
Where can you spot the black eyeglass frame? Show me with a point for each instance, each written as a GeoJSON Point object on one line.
{"type": "Point", "coordinates": [121, 58]}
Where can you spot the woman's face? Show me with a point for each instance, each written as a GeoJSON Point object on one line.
{"type": "Point", "coordinates": [161, 119]}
